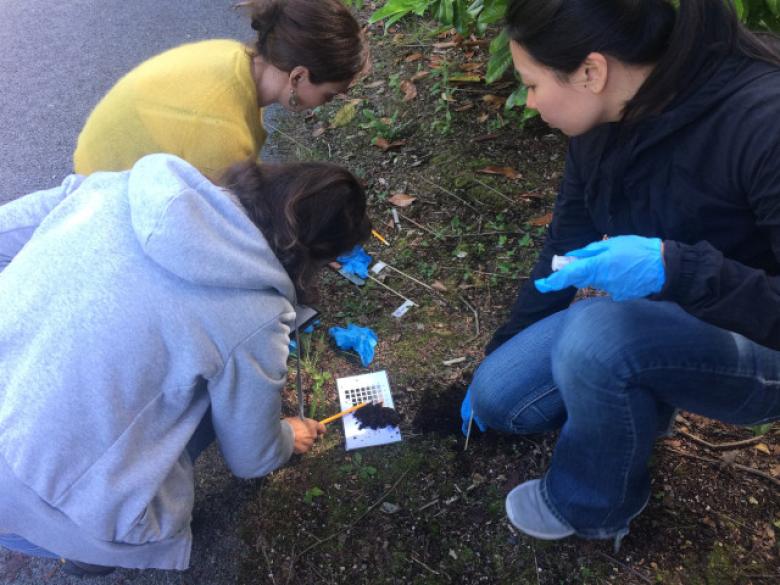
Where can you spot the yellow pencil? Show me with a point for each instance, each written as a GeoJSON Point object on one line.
{"type": "Point", "coordinates": [379, 237]}
{"type": "Point", "coordinates": [344, 412]}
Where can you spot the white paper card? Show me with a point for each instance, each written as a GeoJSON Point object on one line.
{"type": "Point", "coordinates": [378, 267]}
{"type": "Point", "coordinates": [366, 388]}
{"type": "Point", "coordinates": [402, 310]}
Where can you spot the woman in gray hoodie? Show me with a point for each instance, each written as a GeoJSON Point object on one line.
{"type": "Point", "coordinates": [138, 309]}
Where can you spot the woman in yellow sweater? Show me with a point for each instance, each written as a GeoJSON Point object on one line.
{"type": "Point", "coordinates": [203, 101]}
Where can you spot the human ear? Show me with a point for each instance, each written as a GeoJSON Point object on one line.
{"type": "Point", "coordinates": [594, 72]}
{"type": "Point", "coordinates": [298, 74]}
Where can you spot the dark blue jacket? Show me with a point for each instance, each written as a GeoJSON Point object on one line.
{"type": "Point", "coordinates": [704, 175]}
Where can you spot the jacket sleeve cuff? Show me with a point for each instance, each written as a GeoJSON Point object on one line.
{"type": "Point", "coordinates": [288, 442]}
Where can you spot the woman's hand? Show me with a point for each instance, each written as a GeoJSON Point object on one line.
{"type": "Point", "coordinates": [305, 432]}
{"type": "Point", "coordinates": [626, 267]}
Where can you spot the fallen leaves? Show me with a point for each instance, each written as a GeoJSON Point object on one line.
{"type": "Point", "coordinates": [545, 219]}
{"type": "Point", "coordinates": [439, 286]}
{"type": "Point", "coordinates": [409, 89]}
{"type": "Point", "coordinates": [422, 74]}
{"type": "Point", "coordinates": [345, 115]}
{"type": "Point", "coordinates": [763, 448]}
{"type": "Point", "coordinates": [386, 145]}
{"type": "Point", "coordinates": [507, 172]}
{"type": "Point", "coordinates": [412, 57]}
{"type": "Point", "coordinates": [401, 200]}
{"type": "Point", "coordinates": [494, 101]}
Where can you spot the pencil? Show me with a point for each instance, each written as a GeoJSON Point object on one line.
{"type": "Point", "coordinates": [344, 412]}
{"type": "Point", "coordinates": [379, 237]}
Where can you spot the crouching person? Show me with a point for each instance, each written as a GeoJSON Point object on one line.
{"type": "Point", "coordinates": [142, 314]}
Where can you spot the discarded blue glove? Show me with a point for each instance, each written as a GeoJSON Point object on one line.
{"type": "Point", "coordinates": [356, 262]}
{"type": "Point", "coordinates": [310, 328]}
{"type": "Point", "coordinates": [292, 347]}
{"type": "Point", "coordinates": [361, 339]}
{"type": "Point", "coordinates": [465, 415]}
{"type": "Point", "coordinates": [626, 267]}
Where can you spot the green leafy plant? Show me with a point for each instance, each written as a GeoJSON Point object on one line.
{"type": "Point", "coordinates": [310, 357]}
{"type": "Point", "coordinates": [442, 88]}
{"type": "Point", "coordinates": [383, 127]}
{"type": "Point", "coordinates": [311, 493]}
{"type": "Point", "coordinates": [357, 467]}
{"type": "Point", "coordinates": [759, 14]}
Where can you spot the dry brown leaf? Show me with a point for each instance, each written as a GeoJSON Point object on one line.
{"type": "Point", "coordinates": [409, 89]}
{"type": "Point", "coordinates": [493, 101]}
{"type": "Point", "coordinates": [775, 471]}
{"type": "Point", "coordinates": [466, 78]}
{"type": "Point", "coordinates": [542, 220]}
{"type": "Point", "coordinates": [763, 448]}
{"type": "Point", "coordinates": [445, 45]}
{"type": "Point", "coordinates": [508, 172]}
{"type": "Point", "coordinates": [439, 286]}
{"type": "Point", "coordinates": [401, 200]}
{"type": "Point", "coordinates": [471, 67]}
{"type": "Point", "coordinates": [385, 145]}
{"type": "Point", "coordinates": [412, 57]}
{"type": "Point", "coordinates": [435, 61]}
{"type": "Point", "coordinates": [319, 130]}
{"type": "Point", "coordinates": [483, 117]}
{"type": "Point", "coordinates": [375, 84]}
{"type": "Point", "coordinates": [464, 107]}
{"type": "Point", "coordinates": [420, 75]}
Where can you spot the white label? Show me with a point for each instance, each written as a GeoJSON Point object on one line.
{"type": "Point", "coordinates": [402, 310]}
{"type": "Point", "coordinates": [378, 267]}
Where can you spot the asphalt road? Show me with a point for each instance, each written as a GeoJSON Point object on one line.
{"type": "Point", "coordinates": [57, 59]}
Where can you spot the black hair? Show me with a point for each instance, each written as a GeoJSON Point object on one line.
{"type": "Point", "coordinates": [678, 42]}
{"type": "Point", "coordinates": [309, 213]}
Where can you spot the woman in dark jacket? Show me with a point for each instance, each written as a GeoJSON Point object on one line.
{"type": "Point", "coordinates": [670, 204]}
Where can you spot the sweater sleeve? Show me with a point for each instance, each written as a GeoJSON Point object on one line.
{"type": "Point", "coordinates": [722, 291]}
{"type": "Point", "coordinates": [246, 403]}
{"type": "Point", "coordinates": [571, 228]}
{"type": "Point", "coordinates": [20, 218]}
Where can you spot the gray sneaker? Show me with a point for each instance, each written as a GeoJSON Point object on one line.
{"type": "Point", "coordinates": [528, 513]}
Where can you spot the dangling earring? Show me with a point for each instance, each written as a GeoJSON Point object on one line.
{"type": "Point", "coordinates": [293, 101]}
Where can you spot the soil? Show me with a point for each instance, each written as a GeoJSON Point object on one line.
{"type": "Point", "coordinates": [425, 510]}
{"type": "Point", "coordinates": [375, 416]}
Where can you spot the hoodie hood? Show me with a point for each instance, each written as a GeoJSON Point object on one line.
{"type": "Point", "coordinates": [199, 231]}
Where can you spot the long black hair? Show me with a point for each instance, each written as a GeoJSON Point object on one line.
{"type": "Point", "coordinates": [561, 33]}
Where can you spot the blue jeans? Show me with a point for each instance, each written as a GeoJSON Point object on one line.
{"type": "Point", "coordinates": [611, 373]}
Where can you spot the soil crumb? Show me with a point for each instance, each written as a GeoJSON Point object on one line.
{"type": "Point", "coordinates": [375, 416]}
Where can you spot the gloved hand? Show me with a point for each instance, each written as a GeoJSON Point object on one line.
{"type": "Point", "coordinates": [626, 267]}
{"type": "Point", "coordinates": [465, 415]}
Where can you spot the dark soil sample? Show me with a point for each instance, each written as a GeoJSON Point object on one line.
{"type": "Point", "coordinates": [440, 411]}
{"type": "Point", "coordinates": [375, 416]}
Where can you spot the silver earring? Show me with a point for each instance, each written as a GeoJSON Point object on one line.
{"type": "Point", "coordinates": [293, 101]}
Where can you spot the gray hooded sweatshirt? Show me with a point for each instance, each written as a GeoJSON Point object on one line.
{"type": "Point", "coordinates": [130, 303]}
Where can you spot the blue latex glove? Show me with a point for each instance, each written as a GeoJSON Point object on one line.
{"type": "Point", "coordinates": [465, 415]}
{"type": "Point", "coordinates": [361, 339]}
{"type": "Point", "coordinates": [626, 267]}
{"type": "Point", "coordinates": [356, 262]}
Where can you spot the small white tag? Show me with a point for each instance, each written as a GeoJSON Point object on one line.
{"type": "Point", "coordinates": [378, 267]}
{"type": "Point", "coordinates": [401, 311]}
{"type": "Point", "coordinates": [396, 220]}
{"type": "Point", "coordinates": [559, 262]}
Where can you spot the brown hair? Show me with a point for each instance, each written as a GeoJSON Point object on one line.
{"type": "Point", "coordinates": [321, 35]}
{"type": "Point", "coordinates": [309, 212]}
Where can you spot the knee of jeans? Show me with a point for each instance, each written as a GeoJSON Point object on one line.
{"type": "Point", "coordinates": [594, 341]}
{"type": "Point", "coordinates": [541, 412]}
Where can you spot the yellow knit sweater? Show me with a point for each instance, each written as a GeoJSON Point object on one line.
{"type": "Point", "coordinates": [197, 101]}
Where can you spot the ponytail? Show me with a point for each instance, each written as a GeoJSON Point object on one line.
{"type": "Point", "coordinates": [679, 43]}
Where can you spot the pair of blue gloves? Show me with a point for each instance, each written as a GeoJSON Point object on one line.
{"type": "Point", "coordinates": [626, 267]}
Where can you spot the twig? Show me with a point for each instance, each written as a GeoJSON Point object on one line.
{"type": "Point", "coordinates": [625, 566]}
{"type": "Point", "coordinates": [536, 564]}
{"type": "Point", "coordinates": [392, 290]}
{"type": "Point", "coordinates": [451, 194]}
{"type": "Point", "coordinates": [422, 227]}
{"type": "Point", "coordinates": [476, 316]}
{"type": "Point", "coordinates": [428, 505]}
{"type": "Point", "coordinates": [722, 446]}
{"type": "Point", "coordinates": [493, 189]}
{"type": "Point", "coordinates": [423, 565]}
{"type": "Point", "coordinates": [261, 540]}
{"type": "Point", "coordinates": [351, 524]}
{"type": "Point", "coordinates": [288, 137]}
{"type": "Point", "coordinates": [719, 462]}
